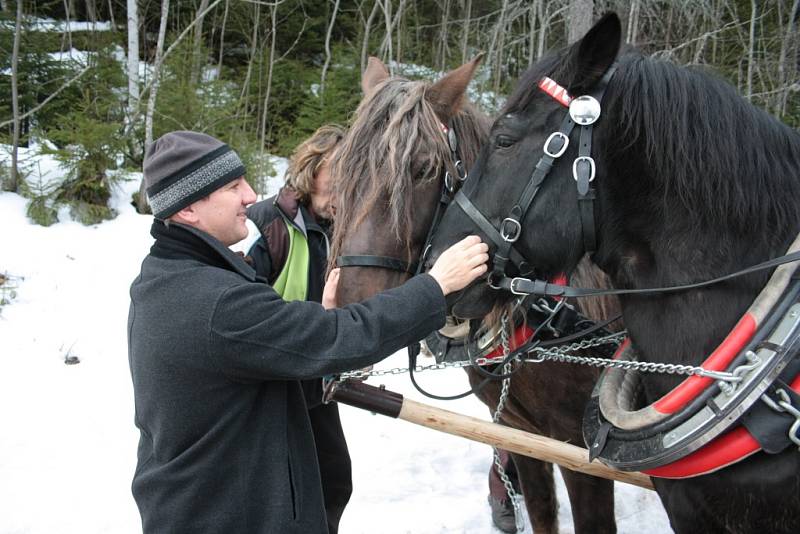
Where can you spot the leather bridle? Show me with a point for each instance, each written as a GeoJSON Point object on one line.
{"type": "Point", "coordinates": [449, 187]}
{"type": "Point", "coordinates": [583, 111]}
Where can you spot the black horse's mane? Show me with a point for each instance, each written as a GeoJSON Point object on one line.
{"type": "Point", "coordinates": [703, 145]}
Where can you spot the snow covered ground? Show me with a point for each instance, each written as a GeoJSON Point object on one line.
{"type": "Point", "coordinates": [68, 444]}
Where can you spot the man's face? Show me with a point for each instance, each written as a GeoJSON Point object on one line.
{"type": "Point", "coordinates": [321, 193]}
{"type": "Point", "coordinates": [222, 214]}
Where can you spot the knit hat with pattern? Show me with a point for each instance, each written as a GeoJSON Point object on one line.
{"type": "Point", "coordinates": [183, 167]}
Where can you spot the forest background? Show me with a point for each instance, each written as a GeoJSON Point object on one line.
{"type": "Point", "coordinates": [263, 75]}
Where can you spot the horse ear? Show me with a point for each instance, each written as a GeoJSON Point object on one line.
{"type": "Point", "coordinates": [375, 73]}
{"type": "Point", "coordinates": [593, 54]}
{"type": "Point", "coordinates": [445, 95]}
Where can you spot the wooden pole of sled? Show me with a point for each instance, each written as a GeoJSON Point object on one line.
{"type": "Point", "coordinates": [393, 404]}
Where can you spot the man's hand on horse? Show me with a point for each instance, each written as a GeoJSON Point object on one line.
{"type": "Point", "coordinates": [460, 264]}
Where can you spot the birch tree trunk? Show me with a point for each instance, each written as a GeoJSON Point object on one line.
{"type": "Point", "coordinates": [195, 73]}
{"type": "Point", "coordinates": [580, 18]}
{"type": "Point", "coordinates": [327, 49]}
{"type": "Point", "coordinates": [367, 27]}
{"type": "Point", "coordinates": [222, 38]}
{"type": "Point", "coordinates": [151, 100]}
{"type": "Point", "coordinates": [465, 31]}
{"type": "Point", "coordinates": [274, 18]}
{"type": "Point", "coordinates": [633, 22]}
{"type": "Point", "coordinates": [751, 49]}
{"type": "Point", "coordinates": [13, 182]}
{"type": "Point", "coordinates": [133, 63]}
{"type": "Point", "coordinates": [67, 39]}
{"type": "Point", "coordinates": [387, 12]}
{"type": "Point", "coordinates": [789, 35]}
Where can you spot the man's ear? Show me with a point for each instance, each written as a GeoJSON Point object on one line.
{"type": "Point", "coordinates": [187, 215]}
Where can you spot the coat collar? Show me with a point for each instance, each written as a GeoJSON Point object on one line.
{"type": "Point", "coordinates": [180, 241]}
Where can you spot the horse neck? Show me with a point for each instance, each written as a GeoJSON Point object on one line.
{"type": "Point", "coordinates": [657, 240]}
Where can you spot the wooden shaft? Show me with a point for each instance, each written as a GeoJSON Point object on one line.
{"type": "Point", "coordinates": [517, 441]}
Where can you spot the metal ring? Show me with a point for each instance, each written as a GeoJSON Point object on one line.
{"type": "Point", "coordinates": [461, 171]}
{"type": "Point", "coordinates": [561, 151]}
{"type": "Point", "coordinates": [448, 182]}
{"type": "Point", "coordinates": [490, 283]}
{"type": "Point", "coordinates": [592, 168]}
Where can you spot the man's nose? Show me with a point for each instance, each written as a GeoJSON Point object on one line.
{"type": "Point", "coordinates": [249, 196]}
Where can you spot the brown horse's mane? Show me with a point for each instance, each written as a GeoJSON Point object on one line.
{"type": "Point", "coordinates": [396, 141]}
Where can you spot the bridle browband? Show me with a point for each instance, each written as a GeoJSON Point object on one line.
{"type": "Point", "coordinates": [449, 187]}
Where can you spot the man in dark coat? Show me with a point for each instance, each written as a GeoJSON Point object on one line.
{"type": "Point", "coordinates": [216, 355]}
{"type": "Point", "coordinates": [292, 254]}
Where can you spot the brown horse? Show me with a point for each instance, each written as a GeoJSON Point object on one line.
{"type": "Point", "coordinates": [389, 172]}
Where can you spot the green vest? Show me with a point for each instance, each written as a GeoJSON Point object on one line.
{"type": "Point", "coordinates": [292, 282]}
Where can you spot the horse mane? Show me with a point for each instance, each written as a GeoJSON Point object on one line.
{"type": "Point", "coordinates": [696, 135]}
{"type": "Point", "coordinates": [394, 142]}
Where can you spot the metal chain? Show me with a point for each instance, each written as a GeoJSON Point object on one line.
{"type": "Point", "coordinates": [560, 354]}
{"type": "Point", "coordinates": [615, 339]}
{"type": "Point", "coordinates": [501, 403]}
{"type": "Point", "coordinates": [785, 405]}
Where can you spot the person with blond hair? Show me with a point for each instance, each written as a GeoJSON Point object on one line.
{"type": "Point", "coordinates": [292, 254]}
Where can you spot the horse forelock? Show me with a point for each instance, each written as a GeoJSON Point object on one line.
{"type": "Point", "coordinates": [394, 141]}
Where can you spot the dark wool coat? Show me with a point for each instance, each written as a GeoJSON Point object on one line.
{"type": "Point", "coordinates": [215, 357]}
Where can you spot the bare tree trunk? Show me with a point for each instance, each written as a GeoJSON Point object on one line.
{"type": "Point", "coordinates": [751, 49]}
{"type": "Point", "coordinates": [133, 72]}
{"type": "Point", "coordinates": [387, 12]}
{"type": "Point", "coordinates": [197, 60]}
{"type": "Point", "coordinates": [111, 15]}
{"type": "Point", "coordinates": [133, 57]}
{"type": "Point", "coordinates": [367, 27]}
{"type": "Point", "coordinates": [91, 10]}
{"type": "Point", "coordinates": [274, 18]}
{"type": "Point", "coordinates": [465, 31]}
{"type": "Point", "coordinates": [633, 22]}
{"type": "Point", "coordinates": [67, 39]}
{"type": "Point", "coordinates": [788, 37]}
{"type": "Point", "coordinates": [13, 182]}
{"type": "Point", "coordinates": [542, 29]}
{"type": "Point", "coordinates": [249, 72]}
{"type": "Point", "coordinates": [532, 17]}
{"type": "Point", "coordinates": [327, 49]}
{"type": "Point", "coordinates": [222, 38]}
{"type": "Point", "coordinates": [442, 48]}
{"type": "Point", "coordinates": [580, 18]}
{"type": "Point", "coordinates": [151, 100]}
{"type": "Point", "coordinates": [3, 5]}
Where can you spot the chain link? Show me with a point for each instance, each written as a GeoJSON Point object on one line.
{"type": "Point", "coordinates": [561, 354]}
{"type": "Point", "coordinates": [501, 403]}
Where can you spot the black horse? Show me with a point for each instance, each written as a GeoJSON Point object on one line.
{"type": "Point", "coordinates": [691, 182]}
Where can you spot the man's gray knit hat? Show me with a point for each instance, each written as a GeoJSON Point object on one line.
{"type": "Point", "coordinates": [183, 167]}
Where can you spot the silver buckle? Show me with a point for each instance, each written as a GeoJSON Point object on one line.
{"type": "Point", "coordinates": [563, 149]}
{"type": "Point", "coordinates": [513, 283]}
{"type": "Point", "coordinates": [592, 168]}
{"type": "Point", "coordinates": [510, 238]}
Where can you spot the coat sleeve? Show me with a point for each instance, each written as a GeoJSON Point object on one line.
{"type": "Point", "coordinates": [256, 335]}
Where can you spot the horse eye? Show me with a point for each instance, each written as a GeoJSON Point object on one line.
{"type": "Point", "coordinates": [504, 141]}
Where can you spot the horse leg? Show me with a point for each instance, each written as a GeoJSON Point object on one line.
{"type": "Point", "coordinates": [538, 489]}
{"type": "Point", "coordinates": [592, 502]}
